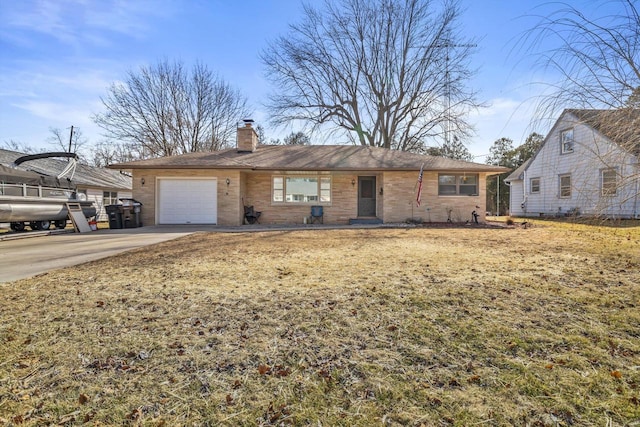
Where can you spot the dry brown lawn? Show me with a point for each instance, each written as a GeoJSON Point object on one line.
{"type": "Point", "coordinates": [433, 327]}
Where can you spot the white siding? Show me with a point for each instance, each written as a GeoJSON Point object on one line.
{"type": "Point", "coordinates": [592, 153]}
{"type": "Point", "coordinates": [516, 198]}
{"type": "Point", "coordinates": [95, 195]}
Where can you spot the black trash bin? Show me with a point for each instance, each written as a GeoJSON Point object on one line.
{"type": "Point", "coordinates": [131, 213]}
{"type": "Point", "coordinates": [114, 212]}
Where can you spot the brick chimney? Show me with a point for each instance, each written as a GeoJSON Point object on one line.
{"type": "Point", "coordinates": [247, 137]}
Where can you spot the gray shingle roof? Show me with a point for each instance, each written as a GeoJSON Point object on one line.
{"type": "Point", "coordinates": [621, 126]}
{"type": "Point", "coordinates": [310, 158]}
{"type": "Point", "coordinates": [87, 176]}
{"type": "Point", "coordinates": [517, 173]}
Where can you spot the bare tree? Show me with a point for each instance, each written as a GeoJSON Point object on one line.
{"type": "Point", "coordinates": [596, 58]}
{"type": "Point", "coordinates": [297, 138]}
{"type": "Point", "coordinates": [165, 110]}
{"type": "Point", "coordinates": [18, 146]}
{"type": "Point", "coordinates": [387, 73]}
{"type": "Point", "coordinates": [72, 143]}
{"type": "Point", "coordinates": [107, 152]}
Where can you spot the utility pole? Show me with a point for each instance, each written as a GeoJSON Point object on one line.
{"type": "Point", "coordinates": [498, 192]}
{"type": "Point", "coordinates": [70, 138]}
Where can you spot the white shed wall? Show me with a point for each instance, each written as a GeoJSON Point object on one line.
{"type": "Point", "coordinates": [516, 198]}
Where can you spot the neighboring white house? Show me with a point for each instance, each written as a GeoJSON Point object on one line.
{"type": "Point", "coordinates": [587, 165]}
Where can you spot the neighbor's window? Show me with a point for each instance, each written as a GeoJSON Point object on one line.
{"type": "Point", "coordinates": [301, 189]}
{"type": "Point", "coordinates": [109, 198]}
{"type": "Point", "coordinates": [457, 184]}
{"type": "Point", "coordinates": [609, 182]}
{"type": "Point", "coordinates": [565, 186]}
{"type": "Point", "coordinates": [535, 185]}
{"type": "Point", "coordinates": [566, 141]}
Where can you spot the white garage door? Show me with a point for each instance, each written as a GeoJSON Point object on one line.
{"type": "Point", "coordinates": [187, 201]}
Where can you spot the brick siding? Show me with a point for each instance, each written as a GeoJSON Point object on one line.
{"type": "Point", "coordinates": [396, 204]}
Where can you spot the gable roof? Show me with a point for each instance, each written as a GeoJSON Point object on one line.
{"type": "Point", "coordinates": [87, 176]}
{"type": "Point", "coordinates": [517, 174]}
{"type": "Point", "coordinates": [621, 126]}
{"type": "Point", "coordinates": [310, 158]}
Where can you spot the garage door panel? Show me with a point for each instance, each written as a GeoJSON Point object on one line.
{"type": "Point", "coordinates": [187, 201]}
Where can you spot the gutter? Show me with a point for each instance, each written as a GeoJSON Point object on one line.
{"type": "Point", "coordinates": [523, 205]}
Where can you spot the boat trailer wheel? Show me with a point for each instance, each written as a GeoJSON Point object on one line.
{"type": "Point", "coordinates": [17, 226]}
{"type": "Point", "coordinates": [61, 223]}
{"type": "Point", "coordinates": [40, 225]}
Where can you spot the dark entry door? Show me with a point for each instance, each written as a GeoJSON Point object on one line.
{"type": "Point", "coordinates": [366, 196]}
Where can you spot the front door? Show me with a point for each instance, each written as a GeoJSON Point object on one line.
{"type": "Point", "coordinates": [366, 196]}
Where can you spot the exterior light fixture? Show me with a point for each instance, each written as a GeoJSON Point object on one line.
{"type": "Point", "coordinates": [142, 180]}
{"type": "Point", "coordinates": [353, 182]}
{"type": "Point", "coordinates": [381, 191]}
{"type": "Point", "coordinates": [228, 181]}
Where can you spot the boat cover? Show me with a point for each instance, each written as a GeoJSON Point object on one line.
{"type": "Point", "coordinates": [17, 176]}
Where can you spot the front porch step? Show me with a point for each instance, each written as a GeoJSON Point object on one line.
{"type": "Point", "coordinates": [367, 220]}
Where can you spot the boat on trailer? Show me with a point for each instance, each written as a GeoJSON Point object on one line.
{"type": "Point", "coordinates": [37, 200]}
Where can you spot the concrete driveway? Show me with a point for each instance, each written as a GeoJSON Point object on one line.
{"type": "Point", "coordinates": [28, 256]}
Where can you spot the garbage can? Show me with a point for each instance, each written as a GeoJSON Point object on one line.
{"type": "Point", "coordinates": [114, 212]}
{"type": "Point", "coordinates": [131, 213]}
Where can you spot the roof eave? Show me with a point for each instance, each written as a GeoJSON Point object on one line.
{"type": "Point", "coordinates": [490, 170]}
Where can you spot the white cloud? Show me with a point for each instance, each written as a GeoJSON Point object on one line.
{"type": "Point", "coordinates": [79, 22]}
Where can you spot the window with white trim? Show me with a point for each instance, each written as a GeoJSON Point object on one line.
{"type": "Point", "coordinates": [565, 186]}
{"type": "Point", "coordinates": [457, 184]}
{"type": "Point", "coordinates": [534, 185]}
{"type": "Point", "coordinates": [109, 198]}
{"type": "Point", "coordinates": [301, 189]}
{"type": "Point", "coordinates": [608, 182]}
{"type": "Point", "coordinates": [566, 141]}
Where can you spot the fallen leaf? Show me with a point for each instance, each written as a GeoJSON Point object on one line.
{"type": "Point", "coordinates": [475, 379]}
{"type": "Point", "coordinates": [229, 399]}
{"type": "Point", "coordinates": [616, 374]}
{"type": "Point", "coordinates": [281, 371]}
{"type": "Point", "coordinates": [264, 369]}
{"type": "Point", "coordinates": [134, 414]}
{"type": "Point", "coordinates": [83, 398]}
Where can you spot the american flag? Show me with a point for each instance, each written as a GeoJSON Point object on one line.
{"type": "Point", "coordinates": [419, 196]}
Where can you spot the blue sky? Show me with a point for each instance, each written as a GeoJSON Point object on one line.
{"type": "Point", "coordinates": [58, 57]}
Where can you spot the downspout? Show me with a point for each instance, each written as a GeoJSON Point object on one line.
{"type": "Point", "coordinates": [636, 214]}
{"type": "Point", "coordinates": [524, 192]}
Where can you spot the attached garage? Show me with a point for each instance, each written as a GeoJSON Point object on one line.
{"type": "Point", "coordinates": [187, 201]}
